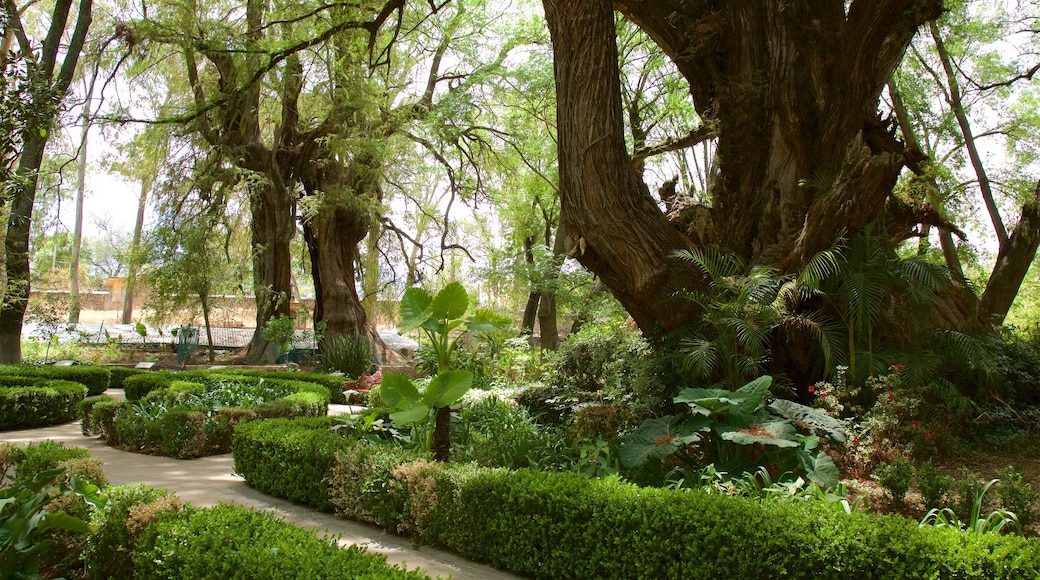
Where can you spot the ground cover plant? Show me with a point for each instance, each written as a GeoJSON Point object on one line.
{"type": "Point", "coordinates": [192, 419]}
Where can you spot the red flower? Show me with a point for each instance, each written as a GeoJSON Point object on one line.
{"type": "Point", "coordinates": [812, 388]}
{"type": "Point", "coordinates": [915, 424]}
{"type": "Point", "coordinates": [891, 396]}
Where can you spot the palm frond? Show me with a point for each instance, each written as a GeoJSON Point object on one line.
{"type": "Point", "coordinates": [700, 357]}
{"type": "Point", "coordinates": [823, 265]}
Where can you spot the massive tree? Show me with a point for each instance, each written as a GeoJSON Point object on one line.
{"type": "Point", "coordinates": [50, 67]}
{"type": "Point", "coordinates": [790, 90]}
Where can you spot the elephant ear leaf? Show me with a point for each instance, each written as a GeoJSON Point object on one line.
{"type": "Point", "coordinates": [397, 391]}
{"type": "Point", "coordinates": [451, 302]}
{"type": "Point", "coordinates": [416, 308]}
{"type": "Point", "coordinates": [810, 418]}
{"type": "Point", "coordinates": [656, 439]}
{"type": "Point", "coordinates": [775, 433]}
{"type": "Point", "coordinates": [752, 394]}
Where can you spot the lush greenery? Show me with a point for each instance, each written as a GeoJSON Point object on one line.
{"type": "Point", "coordinates": [564, 525]}
{"type": "Point", "coordinates": [193, 419]}
{"type": "Point", "coordinates": [138, 385]}
{"type": "Point", "coordinates": [38, 401]}
{"type": "Point", "coordinates": [96, 378]}
{"type": "Point", "coordinates": [56, 517]}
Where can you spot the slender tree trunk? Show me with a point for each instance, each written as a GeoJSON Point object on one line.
{"type": "Point", "coordinates": [204, 300]}
{"type": "Point", "coordinates": [533, 296]}
{"type": "Point", "coordinates": [1013, 262]}
{"type": "Point", "coordinates": [77, 235]}
{"type": "Point", "coordinates": [135, 248]}
{"type": "Point", "coordinates": [442, 434]}
{"type": "Point", "coordinates": [547, 313]}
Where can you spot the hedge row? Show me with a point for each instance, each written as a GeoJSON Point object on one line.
{"type": "Point", "coordinates": [564, 525]}
{"type": "Point", "coordinates": [38, 401]}
{"type": "Point", "coordinates": [147, 533]}
{"type": "Point", "coordinates": [96, 378]}
{"type": "Point", "coordinates": [166, 426]}
{"type": "Point", "coordinates": [139, 385]}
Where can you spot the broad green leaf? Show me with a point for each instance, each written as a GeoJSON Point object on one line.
{"type": "Point", "coordinates": [819, 468]}
{"type": "Point", "coordinates": [397, 391]}
{"type": "Point", "coordinates": [776, 433]}
{"type": "Point", "coordinates": [451, 302]}
{"type": "Point", "coordinates": [447, 388]}
{"type": "Point", "coordinates": [415, 309]}
{"type": "Point", "coordinates": [416, 412]}
{"type": "Point", "coordinates": [486, 320]}
{"type": "Point", "coordinates": [810, 418]}
{"type": "Point", "coordinates": [656, 439]}
{"type": "Point", "coordinates": [753, 393]}
{"type": "Point", "coordinates": [710, 400]}
{"type": "Point", "coordinates": [64, 521]}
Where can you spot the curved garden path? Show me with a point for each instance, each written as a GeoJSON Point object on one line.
{"type": "Point", "coordinates": [208, 481]}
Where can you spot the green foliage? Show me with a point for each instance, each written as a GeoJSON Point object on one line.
{"type": "Point", "coordinates": [95, 378]}
{"type": "Point", "coordinates": [108, 553]}
{"type": "Point", "coordinates": [25, 519]}
{"type": "Point", "coordinates": [738, 431]}
{"type": "Point", "coordinates": [996, 522]}
{"type": "Point", "coordinates": [441, 319]}
{"type": "Point", "coordinates": [281, 331]}
{"type": "Point", "coordinates": [933, 484]}
{"type": "Point", "coordinates": [896, 478]}
{"type": "Point", "coordinates": [348, 354]}
{"type": "Point", "coordinates": [36, 458]}
{"type": "Point", "coordinates": [334, 384]}
{"type": "Point", "coordinates": [226, 540]}
{"type": "Point", "coordinates": [120, 374]}
{"type": "Point", "coordinates": [188, 419]}
{"type": "Point", "coordinates": [137, 386]}
{"type": "Point", "coordinates": [362, 487]}
{"type": "Point", "coordinates": [494, 433]}
{"type": "Point", "coordinates": [38, 401]}
{"type": "Point", "coordinates": [289, 459]}
{"type": "Point", "coordinates": [1017, 496]}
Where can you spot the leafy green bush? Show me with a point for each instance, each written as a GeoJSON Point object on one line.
{"type": "Point", "coordinates": [35, 458]}
{"type": "Point", "coordinates": [185, 419]}
{"type": "Point", "coordinates": [933, 484]}
{"type": "Point", "coordinates": [95, 378]}
{"type": "Point", "coordinates": [1017, 495]}
{"type": "Point", "coordinates": [108, 553]}
{"type": "Point", "coordinates": [86, 416]}
{"type": "Point", "coordinates": [120, 374]}
{"type": "Point", "coordinates": [222, 542]}
{"type": "Point", "coordinates": [289, 458]}
{"type": "Point", "coordinates": [896, 478]}
{"type": "Point", "coordinates": [137, 386]}
{"type": "Point", "coordinates": [361, 486]}
{"type": "Point", "coordinates": [38, 401]}
{"type": "Point", "coordinates": [103, 416]}
{"type": "Point", "coordinates": [495, 433]}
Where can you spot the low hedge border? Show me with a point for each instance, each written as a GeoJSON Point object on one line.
{"type": "Point", "coordinates": [96, 378]}
{"type": "Point", "coordinates": [334, 384]}
{"type": "Point", "coordinates": [147, 533]}
{"type": "Point", "coordinates": [137, 386]}
{"type": "Point", "coordinates": [564, 525]}
{"type": "Point", "coordinates": [27, 401]}
{"type": "Point", "coordinates": [120, 374]}
{"type": "Point", "coordinates": [183, 432]}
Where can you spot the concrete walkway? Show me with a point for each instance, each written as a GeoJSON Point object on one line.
{"type": "Point", "coordinates": [208, 481]}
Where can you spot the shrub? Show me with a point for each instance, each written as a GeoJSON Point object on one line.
{"type": "Point", "coordinates": [95, 378]}
{"type": "Point", "coordinates": [86, 417]}
{"type": "Point", "coordinates": [495, 433]}
{"type": "Point", "coordinates": [183, 433]}
{"type": "Point", "coordinates": [896, 478]}
{"type": "Point", "coordinates": [120, 374]}
{"type": "Point", "coordinates": [108, 553]}
{"type": "Point", "coordinates": [103, 417]}
{"type": "Point", "coordinates": [223, 541]}
{"type": "Point", "coordinates": [361, 485]}
{"type": "Point", "coordinates": [38, 401]}
{"type": "Point", "coordinates": [934, 485]}
{"type": "Point", "coordinates": [36, 458]}
{"type": "Point", "coordinates": [290, 459]}
{"type": "Point", "coordinates": [137, 386]}
{"type": "Point", "coordinates": [1017, 495]}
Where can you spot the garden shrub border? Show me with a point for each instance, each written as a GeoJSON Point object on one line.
{"type": "Point", "coordinates": [564, 525]}
{"type": "Point", "coordinates": [27, 402]}
{"type": "Point", "coordinates": [95, 378]}
{"type": "Point", "coordinates": [187, 433]}
{"type": "Point", "coordinates": [138, 385]}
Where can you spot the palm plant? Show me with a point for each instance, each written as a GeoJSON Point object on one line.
{"type": "Point", "coordinates": [743, 307]}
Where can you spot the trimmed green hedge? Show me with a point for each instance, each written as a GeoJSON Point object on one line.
{"type": "Point", "coordinates": [120, 374]}
{"type": "Point", "coordinates": [564, 525]}
{"type": "Point", "coordinates": [169, 420]}
{"type": "Point", "coordinates": [230, 541]}
{"type": "Point", "coordinates": [135, 387]}
{"type": "Point", "coordinates": [96, 378]}
{"type": "Point", "coordinates": [289, 458]}
{"type": "Point", "coordinates": [27, 401]}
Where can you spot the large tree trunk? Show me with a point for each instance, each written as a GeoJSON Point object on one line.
{"type": "Point", "coordinates": [272, 227]}
{"type": "Point", "coordinates": [34, 136]}
{"type": "Point", "coordinates": [792, 89]}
